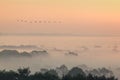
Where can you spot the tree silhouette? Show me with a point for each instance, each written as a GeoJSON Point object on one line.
{"type": "Point", "coordinates": [24, 74]}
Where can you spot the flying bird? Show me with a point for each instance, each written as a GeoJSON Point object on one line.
{"type": "Point", "coordinates": [39, 21]}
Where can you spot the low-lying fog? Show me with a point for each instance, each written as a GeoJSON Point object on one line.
{"type": "Point", "coordinates": [95, 52]}
{"type": "Point", "coordinates": [51, 58]}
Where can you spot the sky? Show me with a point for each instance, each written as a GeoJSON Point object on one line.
{"type": "Point", "coordinates": [83, 17]}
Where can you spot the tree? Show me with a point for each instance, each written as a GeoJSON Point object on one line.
{"type": "Point", "coordinates": [23, 74]}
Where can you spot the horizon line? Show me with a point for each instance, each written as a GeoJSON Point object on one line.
{"type": "Point", "coordinates": [55, 34]}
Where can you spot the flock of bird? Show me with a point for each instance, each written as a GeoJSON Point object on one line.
{"type": "Point", "coordinates": [38, 21]}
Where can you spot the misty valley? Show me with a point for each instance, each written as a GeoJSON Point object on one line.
{"type": "Point", "coordinates": [46, 61]}
{"type": "Point", "coordinates": [64, 58]}
{"type": "Point", "coordinates": [59, 39]}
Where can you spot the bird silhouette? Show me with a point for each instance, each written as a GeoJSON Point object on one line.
{"type": "Point", "coordinates": [39, 21]}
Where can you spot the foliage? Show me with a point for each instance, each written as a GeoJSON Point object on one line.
{"type": "Point", "coordinates": [24, 74]}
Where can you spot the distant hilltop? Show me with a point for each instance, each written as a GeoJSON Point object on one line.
{"type": "Point", "coordinates": [15, 53]}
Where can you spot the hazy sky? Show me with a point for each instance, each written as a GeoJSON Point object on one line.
{"type": "Point", "coordinates": [84, 17]}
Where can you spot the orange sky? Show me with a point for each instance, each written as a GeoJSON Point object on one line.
{"type": "Point", "coordinates": [88, 17]}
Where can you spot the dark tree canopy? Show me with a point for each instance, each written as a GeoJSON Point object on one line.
{"type": "Point", "coordinates": [24, 74]}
